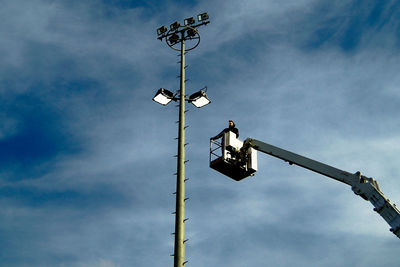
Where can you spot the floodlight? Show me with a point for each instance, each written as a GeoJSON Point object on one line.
{"type": "Point", "coordinates": [191, 33]}
{"type": "Point", "coordinates": [174, 38]}
{"type": "Point", "coordinates": [162, 30]}
{"type": "Point", "coordinates": [189, 21]}
{"type": "Point", "coordinates": [199, 99]}
{"type": "Point", "coordinates": [163, 96]}
{"type": "Point", "coordinates": [175, 25]}
{"type": "Point", "coordinates": [202, 16]}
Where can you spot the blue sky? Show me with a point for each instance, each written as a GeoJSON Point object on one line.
{"type": "Point", "coordinates": [86, 157]}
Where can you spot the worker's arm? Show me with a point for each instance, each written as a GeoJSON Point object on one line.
{"type": "Point", "coordinates": [218, 135]}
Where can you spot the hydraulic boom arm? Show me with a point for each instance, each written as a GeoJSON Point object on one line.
{"type": "Point", "coordinates": [363, 186]}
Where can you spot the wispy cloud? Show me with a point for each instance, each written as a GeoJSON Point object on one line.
{"type": "Point", "coordinates": [86, 156]}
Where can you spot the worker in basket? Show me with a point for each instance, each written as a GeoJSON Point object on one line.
{"type": "Point", "coordinates": [232, 128]}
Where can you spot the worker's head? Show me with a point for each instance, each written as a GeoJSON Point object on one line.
{"type": "Point", "coordinates": [231, 123]}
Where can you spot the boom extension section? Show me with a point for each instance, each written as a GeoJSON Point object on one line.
{"type": "Point", "coordinates": [240, 161]}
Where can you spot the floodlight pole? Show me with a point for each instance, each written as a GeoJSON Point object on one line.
{"type": "Point", "coordinates": [179, 248]}
{"type": "Point", "coordinates": [172, 39]}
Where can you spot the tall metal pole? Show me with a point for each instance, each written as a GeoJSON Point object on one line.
{"type": "Point", "coordinates": [163, 96]}
{"type": "Point", "coordinates": [179, 248]}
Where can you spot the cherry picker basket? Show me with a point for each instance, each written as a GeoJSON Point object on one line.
{"type": "Point", "coordinates": [226, 157]}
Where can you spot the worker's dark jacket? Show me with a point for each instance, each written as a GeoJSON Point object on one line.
{"type": "Point", "coordinates": [221, 134]}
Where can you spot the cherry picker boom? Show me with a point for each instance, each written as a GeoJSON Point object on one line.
{"type": "Point", "coordinates": [239, 160]}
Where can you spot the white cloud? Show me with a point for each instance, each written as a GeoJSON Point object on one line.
{"type": "Point", "coordinates": [325, 104]}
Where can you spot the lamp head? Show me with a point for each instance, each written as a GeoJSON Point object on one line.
{"type": "Point", "coordinates": [174, 38]}
{"type": "Point", "coordinates": [175, 25]}
{"type": "Point", "coordinates": [202, 16]}
{"type": "Point", "coordinates": [191, 32]}
{"type": "Point", "coordinates": [199, 99]}
{"type": "Point", "coordinates": [162, 30]}
{"type": "Point", "coordinates": [163, 96]}
{"type": "Point", "coordinates": [189, 21]}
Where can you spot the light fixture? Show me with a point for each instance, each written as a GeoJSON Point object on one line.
{"type": "Point", "coordinates": [162, 30]}
{"type": "Point", "coordinates": [174, 38]}
{"type": "Point", "coordinates": [189, 21]}
{"type": "Point", "coordinates": [175, 25]}
{"type": "Point", "coordinates": [163, 96]}
{"type": "Point", "coordinates": [191, 32]}
{"type": "Point", "coordinates": [199, 99]}
{"type": "Point", "coordinates": [202, 16]}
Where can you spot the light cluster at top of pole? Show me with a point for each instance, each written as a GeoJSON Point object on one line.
{"type": "Point", "coordinates": [188, 31]}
